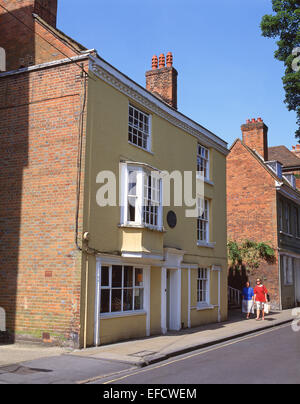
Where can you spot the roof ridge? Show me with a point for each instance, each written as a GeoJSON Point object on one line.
{"type": "Point", "coordinates": [78, 47]}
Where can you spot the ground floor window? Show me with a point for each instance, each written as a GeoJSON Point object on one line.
{"type": "Point", "coordinates": [288, 269]}
{"type": "Point", "coordinates": [122, 289]}
{"type": "Point", "coordinates": [203, 286]}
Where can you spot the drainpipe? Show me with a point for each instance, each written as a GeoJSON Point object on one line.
{"type": "Point", "coordinates": [86, 301]}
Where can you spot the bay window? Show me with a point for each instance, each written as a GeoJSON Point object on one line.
{"type": "Point", "coordinates": [141, 197]}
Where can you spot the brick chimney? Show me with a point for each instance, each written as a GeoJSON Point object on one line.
{"type": "Point", "coordinates": [255, 136]}
{"type": "Point", "coordinates": [17, 29]}
{"type": "Point", "coordinates": [162, 79]}
{"type": "Point", "coordinates": [296, 150]}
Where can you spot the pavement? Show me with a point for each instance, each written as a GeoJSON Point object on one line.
{"type": "Point", "coordinates": [146, 351]}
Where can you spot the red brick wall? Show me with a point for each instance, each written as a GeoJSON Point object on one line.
{"type": "Point", "coordinates": [163, 83]}
{"type": "Point", "coordinates": [40, 268]}
{"type": "Point", "coordinates": [251, 206]}
{"type": "Point", "coordinates": [255, 136]}
{"type": "Point", "coordinates": [29, 43]}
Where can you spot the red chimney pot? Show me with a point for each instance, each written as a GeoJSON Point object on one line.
{"type": "Point", "coordinates": [169, 59]}
{"type": "Point", "coordinates": [154, 62]}
{"type": "Point", "coordinates": [162, 61]}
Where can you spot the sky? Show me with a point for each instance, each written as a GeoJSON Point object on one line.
{"type": "Point", "coordinates": [226, 70]}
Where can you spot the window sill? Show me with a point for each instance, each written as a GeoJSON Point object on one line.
{"type": "Point", "coordinates": [123, 314]}
{"type": "Point", "coordinates": [206, 180]}
{"type": "Point", "coordinates": [205, 244]}
{"type": "Point", "coordinates": [142, 226]}
{"type": "Point", "coordinates": [201, 307]}
{"type": "Point", "coordinates": [141, 148]}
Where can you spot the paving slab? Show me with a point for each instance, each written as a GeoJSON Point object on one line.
{"type": "Point", "coordinates": [21, 352]}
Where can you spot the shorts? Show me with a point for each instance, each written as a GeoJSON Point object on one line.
{"type": "Point", "coordinates": [260, 305]}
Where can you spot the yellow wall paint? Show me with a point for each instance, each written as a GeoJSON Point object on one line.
{"type": "Point", "coordinates": [155, 306]}
{"type": "Point", "coordinates": [122, 328]}
{"type": "Point", "coordinates": [184, 297]}
{"type": "Point", "coordinates": [172, 149]}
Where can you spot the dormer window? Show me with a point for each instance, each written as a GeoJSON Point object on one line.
{"type": "Point", "coordinates": [276, 167]}
{"type": "Point", "coordinates": [291, 179]}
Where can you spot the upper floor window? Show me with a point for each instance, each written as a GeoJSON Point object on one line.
{"type": "Point", "coordinates": [203, 161]}
{"type": "Point", "coordinates": [139, 128]}
{"type": "Point", "coordinates": [203, 220]}
{"type": "Point", "coordinates": [142, 197]}
{"type": "Point", "coordinates": [287, 218]}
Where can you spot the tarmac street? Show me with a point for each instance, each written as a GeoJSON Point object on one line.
{"type": "Point", "coordinates": [267, 357]}
{"type": "Point", "coordinates": [200, 355]}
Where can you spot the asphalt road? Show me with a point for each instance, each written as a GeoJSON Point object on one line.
{"type": "Point", "coordinates": [271, 356]}
{"type": "Point", "coordinates": [267, 357]}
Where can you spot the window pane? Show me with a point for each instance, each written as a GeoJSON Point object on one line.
{"type": "Point", "coordinates": [138, 128]}
{"type": "Point", "coordinates": [127, 302]}
{"type": "Point", "coordinates": [104, 306]}
{"type": "Point", "coordinates": [117, 276]}
{"type": "Point", "coordinates": [116, 300]}
{"type": "Point", "coordinates": [138, 277]}
{"type": "Point", "coordinates": [131, 209]}
{"type": "Point", "coordinates": [138, 299]}
{"type": "Point", "coordinates": [105, 276]}
{"type": "Point", "coordinates": [128, 277]}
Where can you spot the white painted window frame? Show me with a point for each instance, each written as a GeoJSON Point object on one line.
{"type": "Point", "coordinates": [207, 221]}
{"type": "Point", "coordinates": [122, 288]}
{"type": "Point", "coordinates": [98, 316]}
{"type": "Point", "coordinates": [207, 160]}
{"type": "Point", "coordinates": [139, 213]}
{"type": "Point", "coordinates": [206, 303]}
{"type": "Point", "coordinates": [148, 135]}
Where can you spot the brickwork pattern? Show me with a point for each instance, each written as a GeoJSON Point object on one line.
{"type": "Point", "coordinates": [40, 267]}
{"type": "Point", "coordinates": [252, 208]}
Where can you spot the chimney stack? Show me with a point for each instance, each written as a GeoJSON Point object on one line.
{"type": "Point", "coordinates": [162, 79]}
{"type": "Point", "coordinates": [17, 27]}
{"type": "Point", "coordinates": [255, 136]}
{"type": "Point", "coordinates": [296, 150]}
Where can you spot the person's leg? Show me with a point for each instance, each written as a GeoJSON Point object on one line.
{"type": "Point", "coordinates": [263, 312]}
{"type": "Point", "coordinates": [258, 313]}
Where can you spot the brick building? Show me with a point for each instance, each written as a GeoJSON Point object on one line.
{"type": "Point", "coordinates": [263, 205]}
{"type": "Point", "coordinates": [289, 159]}
{"type": "Point", "coordinates": [41, 105]}
{"type": "Point", "coordinates": [65, 116]}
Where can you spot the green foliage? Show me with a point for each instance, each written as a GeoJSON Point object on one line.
{"type": "Point", "coordinates": [249, 253]}
{"type": "Point", "coordinates": [285, 26]}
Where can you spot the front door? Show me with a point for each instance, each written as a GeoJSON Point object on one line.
{"type": "Point", "coordinates": [173, 299]}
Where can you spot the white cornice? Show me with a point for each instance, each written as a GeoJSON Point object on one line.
{"type": "Point", "coordinates": [118, 80]}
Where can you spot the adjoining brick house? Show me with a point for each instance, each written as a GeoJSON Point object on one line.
{"type": "Point", "coordinates": [71, 270]}
{"type": "Point", "coordinates": [263, 205]}
{"type": "Point", "coordinates": [289, 159]}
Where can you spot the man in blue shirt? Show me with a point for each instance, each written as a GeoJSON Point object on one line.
{"type": "Point", "coordinates": [248, 300]}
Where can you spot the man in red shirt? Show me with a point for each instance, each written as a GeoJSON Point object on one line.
{"type": "Point", "coordinates": [260, 298]}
